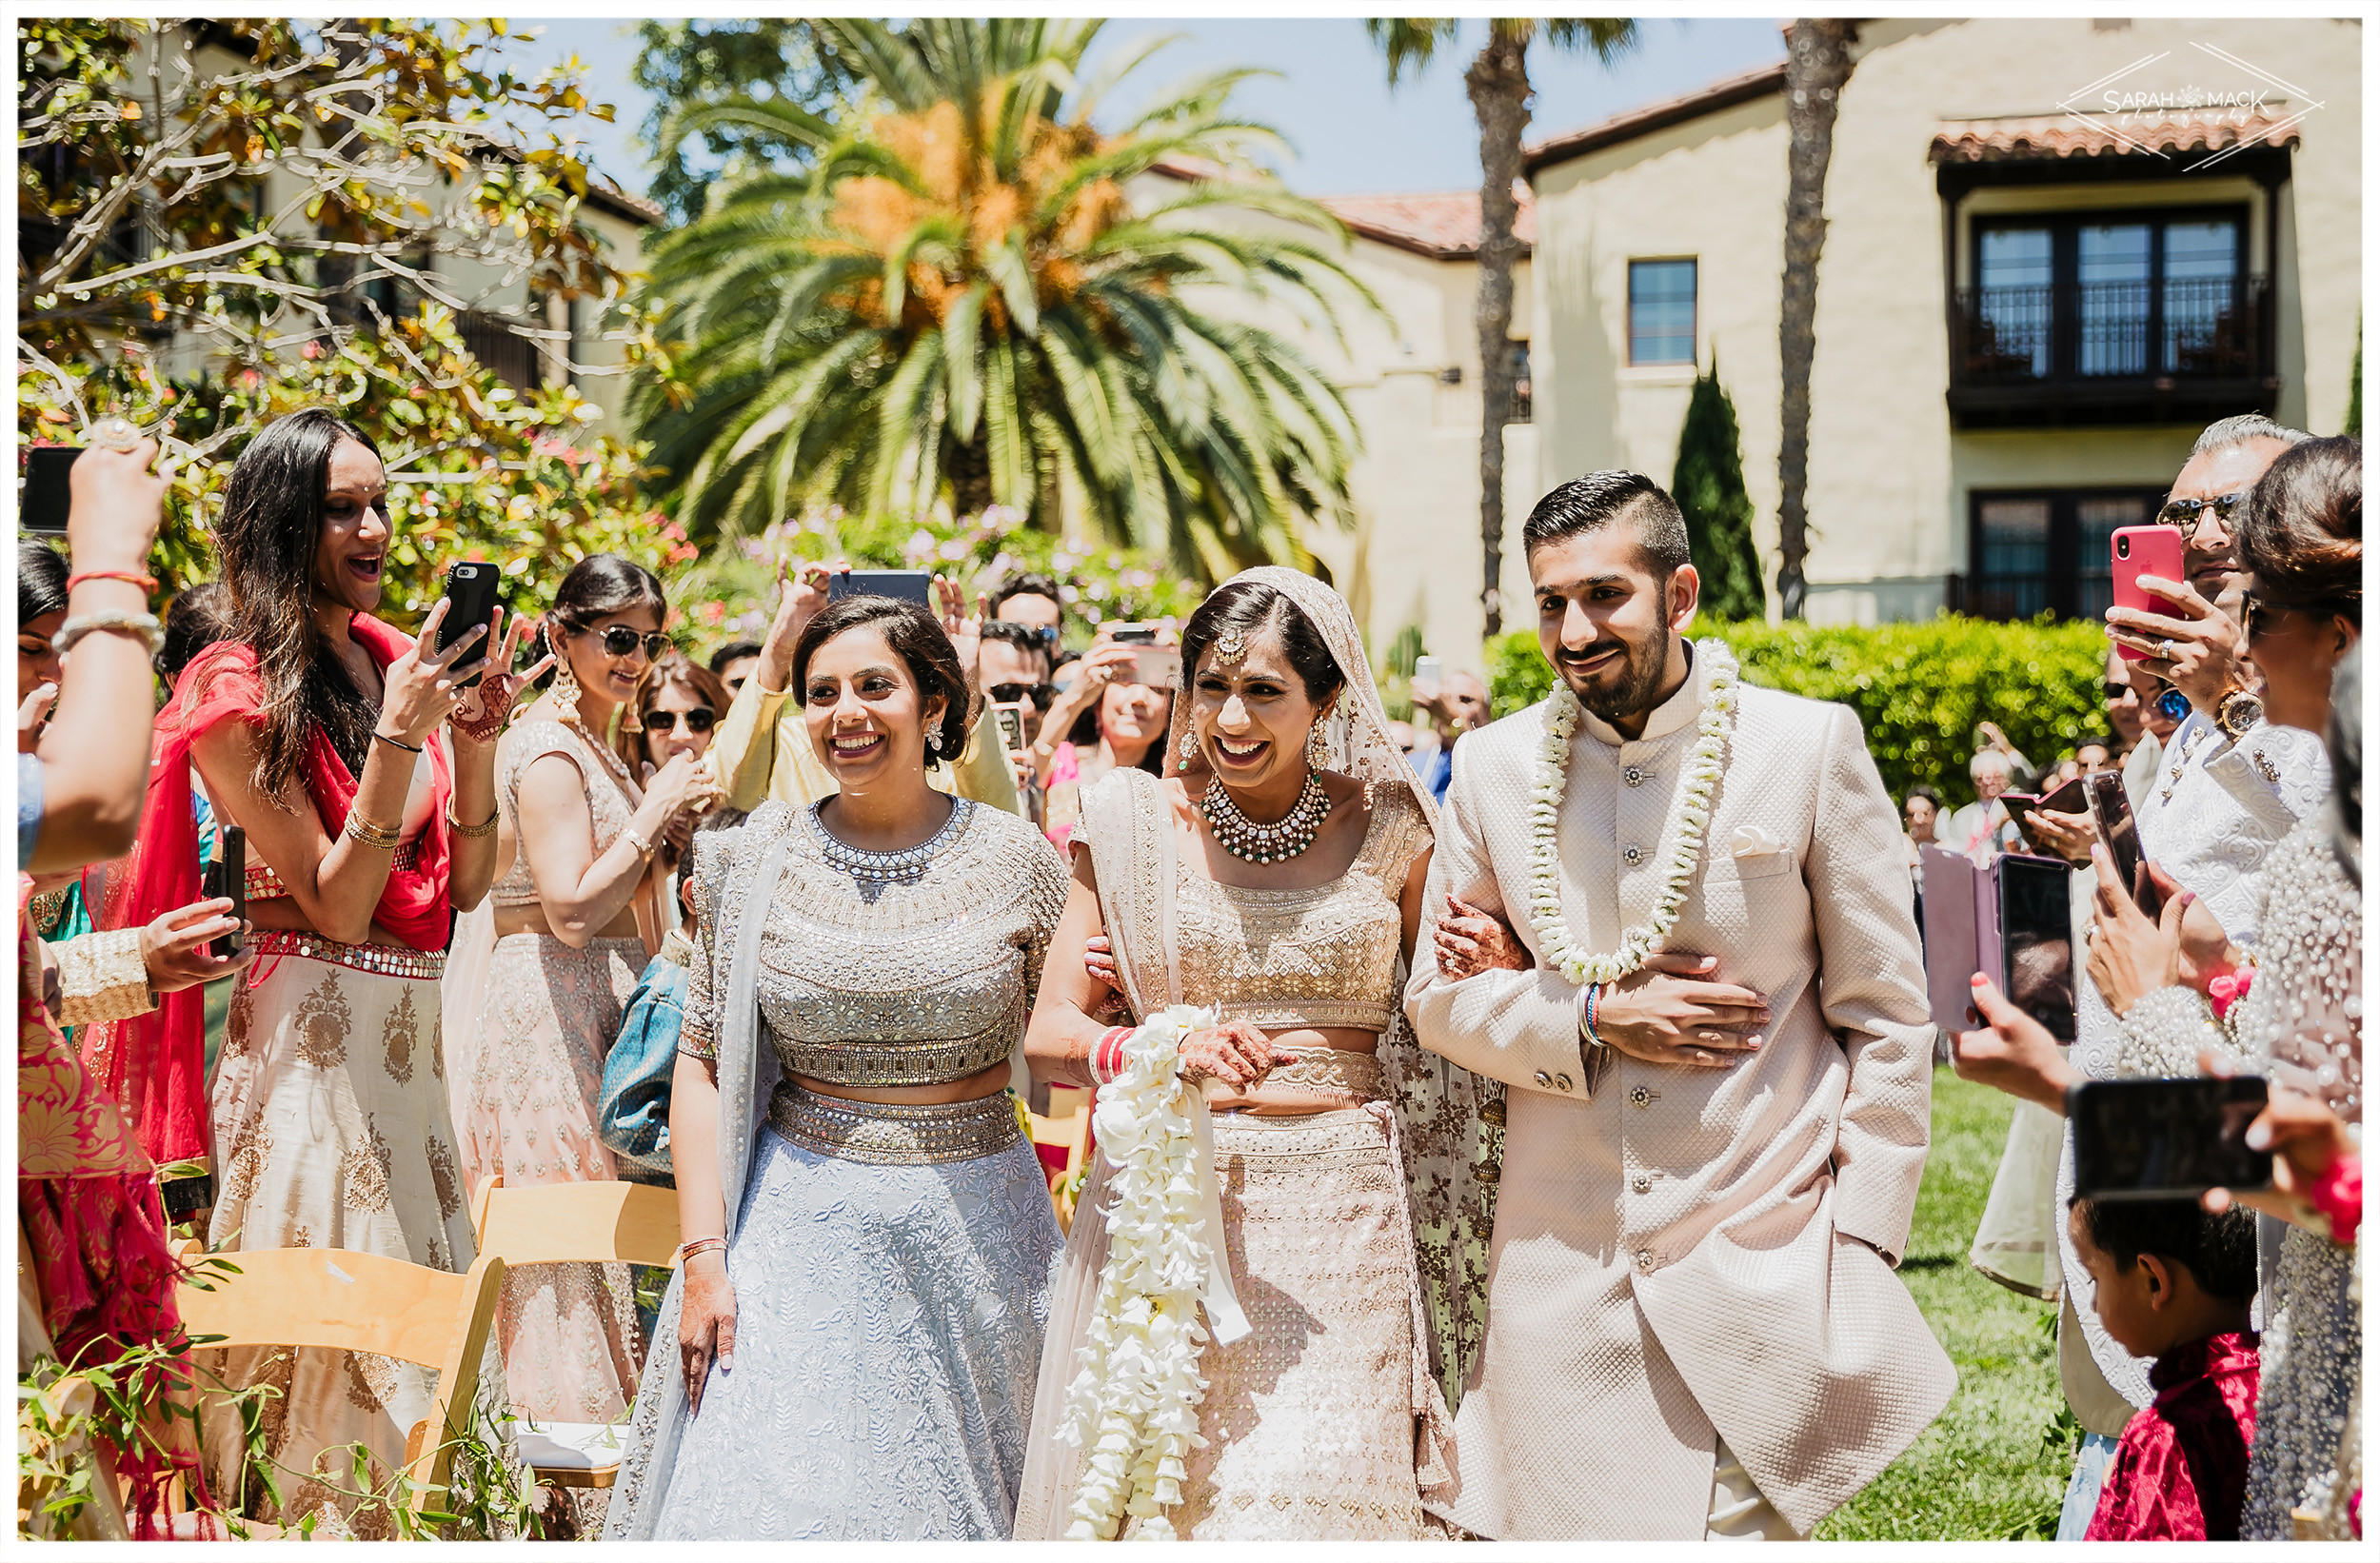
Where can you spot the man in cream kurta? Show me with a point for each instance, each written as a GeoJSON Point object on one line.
{"type": "Point", "coordinates": [1691, 1259]}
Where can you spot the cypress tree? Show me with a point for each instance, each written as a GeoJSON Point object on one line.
{"type": "Point", "coordinates": [1709, 485]}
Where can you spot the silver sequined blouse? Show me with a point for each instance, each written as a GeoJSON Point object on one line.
{"type": "Point", "coordinates": [912, 982]}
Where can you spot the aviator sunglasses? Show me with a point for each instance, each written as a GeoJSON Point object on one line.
{"type": "Point", "coordinates": [1010, 694]}
{"type": "Point", "coordinates": [2184, 514]}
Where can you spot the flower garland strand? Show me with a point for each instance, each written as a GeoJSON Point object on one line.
{"type": "Point", "coordinates": [1133, 1406]}
{"type": "Point", "coordinates": [1549, 774]}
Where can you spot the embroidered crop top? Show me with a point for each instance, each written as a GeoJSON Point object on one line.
{"type": "Point", "coordinates": [611, 798]}
{"type": "Point", "coordinates": [904, 983]}
{"type": "Point", "coordinates": [1320, 957]}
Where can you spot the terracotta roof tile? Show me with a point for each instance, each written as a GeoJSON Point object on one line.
{"type": "Point", "coordinates": [2104, 136]}
{"type": "Point", "coordinates": [1443, 225]}
{"type": "Point", "coordinates": [1757, 83]}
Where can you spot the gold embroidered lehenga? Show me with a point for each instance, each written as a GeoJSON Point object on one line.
{"type": "Point", "coordinates": [1330, 1420]}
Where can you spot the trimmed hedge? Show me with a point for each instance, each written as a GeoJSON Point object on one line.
{"type": "Point", "coordinates": [1919, 689]}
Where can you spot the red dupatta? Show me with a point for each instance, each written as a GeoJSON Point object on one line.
{"type": "Point", "coordinates": [156, 1064]}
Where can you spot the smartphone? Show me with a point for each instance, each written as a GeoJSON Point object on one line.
{"type": "Point", "coordinates": [2037, 940]}
{"type": "Point", "coordinates": [1427, 673]}
{"type": "Point", "coordinates": [225, 874]}
{"type": "Point", "coordinates": [2120, 832]}
{"type": "Point", "coordinates": [47, 497]}
{"type": "Point", "coordinates": [1011, 728]}
{"type": "Point", "coordinates": [2135, 551]}
{"type": "Point", "coordinates": [1158, 666]}
{"type": "Point", "coordinates": [2071, 799]}
{"type": "Point", "coordinates": [1946, 887]}
{"type": "Point", "coordinates": [910, 585]}
{"type": "Point", "coordinates": [470, 599]}
{"type": "Point", "coordinates": [1132, 634]}
{"type": "Point", "coordinates": [2166, 1139]}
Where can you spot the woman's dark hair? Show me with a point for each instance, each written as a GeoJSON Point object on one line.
{"type": "Point", "coordinates": [599, 586]}
{"type": "Point", "coordinates": [1922, 790]}
{"type": "Point", "coordinates": [675, 667]}
{"type": "Point", "coordinates": [40, 579]}
{"type": "Point", "coordinates": [917, 640]}
{"type": "Point", "coordinates": [1249, 606]}
{"type": "Point", "coordinates": [272, 525]}
{"type": "Point", "coordinates": [200, 616]}
{"type": "Point", "coordinates": [2302, 531]}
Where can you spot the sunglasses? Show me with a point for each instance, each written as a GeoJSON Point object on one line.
{"type": "Point", "coordinates": [620, 639]}
{"type": "Point", "coordinates": [1041, 695]}
{"type": "Point", "coordinates": [2115, 691]}
{"type": "Point", "coordinates": [700, 720]}
{"type": "Point", "coordinates": [2186, 515]}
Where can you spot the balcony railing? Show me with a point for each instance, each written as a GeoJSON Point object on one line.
{"type": "Point", "coordinates": [2108, 352]}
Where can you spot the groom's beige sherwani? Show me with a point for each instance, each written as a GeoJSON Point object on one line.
{"type": "Point", "coordinates": [1684, 1254]}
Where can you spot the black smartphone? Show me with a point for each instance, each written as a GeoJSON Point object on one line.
{"type": "Point", "coordinates": [1133, 635]}
{"type": "Point", "coordinates": [2120, 831]}
{"type": "Point", "coordinates": [2073, 797]}
{"type": "Point", "coordinates": [49, 497]}
{"type": "Point", "coordinates": [2166, 1139]}
{"type": "Point", "coordinates": [910, 585]}
{"type": "Point", "coordinates": [2037, 941]}
{"type": "Point", "coordinates": [470, 599]}
{"type": "Point", "coordinates": [226, 875]}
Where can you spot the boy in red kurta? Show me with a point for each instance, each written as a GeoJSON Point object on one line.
{"type": "Point", "coordinates": [2174, 1282]}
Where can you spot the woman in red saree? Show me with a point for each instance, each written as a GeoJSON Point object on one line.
{"type": "Point", "coordinates": [362, 773]}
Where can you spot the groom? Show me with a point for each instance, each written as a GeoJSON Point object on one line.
{"type": "Point", "coordinates": [1693, 1328]}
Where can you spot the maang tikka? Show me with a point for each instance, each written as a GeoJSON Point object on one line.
{"type": "Point", "coordinates": [1231, 650]}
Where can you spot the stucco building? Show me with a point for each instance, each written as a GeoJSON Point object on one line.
{"type": "Point", "coordinates": [2056, 250]}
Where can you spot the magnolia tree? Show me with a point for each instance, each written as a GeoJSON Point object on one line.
{"type": "Point", "coordinates": [220, 223]}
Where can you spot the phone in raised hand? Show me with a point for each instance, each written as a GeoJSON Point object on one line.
{"type": "Point", "coordinates": [470, 599]}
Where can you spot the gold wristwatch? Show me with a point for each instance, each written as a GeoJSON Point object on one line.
{"type": "Point", "coordinates": [2236, 712]}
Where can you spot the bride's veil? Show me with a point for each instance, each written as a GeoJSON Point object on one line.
{"type": "Point", "coordinates": [1449, 1119]}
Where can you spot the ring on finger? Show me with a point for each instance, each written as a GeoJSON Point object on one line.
{"type": "Point", "coordinates": [2165, 650]}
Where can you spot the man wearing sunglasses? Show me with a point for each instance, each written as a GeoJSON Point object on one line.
{"type": "Point", "coordinates": [2228, 785]}
{"type": "Point", "coordinates": [1013, 664]}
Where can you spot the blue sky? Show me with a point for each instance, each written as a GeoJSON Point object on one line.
{"type": "Point", "coordinates": [1349, 133]}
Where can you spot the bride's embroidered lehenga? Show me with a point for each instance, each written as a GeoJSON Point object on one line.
{"type": "Point", "coordinates": [1331, 1419]}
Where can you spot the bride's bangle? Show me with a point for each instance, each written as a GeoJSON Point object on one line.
{"type": "Point", "coordinates": [1106, 1059]}
{"type": "Point", "coordinates": [689, 1249]}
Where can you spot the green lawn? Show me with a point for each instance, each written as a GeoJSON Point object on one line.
{"type": "Point", "coordinates": [1994, 1465]}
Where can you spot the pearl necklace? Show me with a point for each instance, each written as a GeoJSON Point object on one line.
{"type": "Point", "coordinates": [1705, 766]}
{"type": "Point", "coordinates": [1276, 842]}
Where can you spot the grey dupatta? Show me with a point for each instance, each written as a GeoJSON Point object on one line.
{"type": "Point", "coordinates": [747, 1075]}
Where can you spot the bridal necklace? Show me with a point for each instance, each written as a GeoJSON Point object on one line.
{"type": "Point", "coordinates": [1276, 842]}
{"type": "Point", "coordinates": [1681, 852]}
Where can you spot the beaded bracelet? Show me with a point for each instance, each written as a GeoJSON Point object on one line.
{"type": "Point", "coordinates": [1587, 1003]}
{"type": "Point", "coordinates": [143, 624]}
{"type": "Point", "coordinates": [1108, 1055]}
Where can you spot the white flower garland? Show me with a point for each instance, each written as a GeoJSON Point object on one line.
{"type": "Point", "coordinates": [1133, 1406]}
{"type": "Point", "coordinates": [1705, 764]}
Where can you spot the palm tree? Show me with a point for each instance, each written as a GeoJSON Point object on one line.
{"type": "Point", "coordinates": [1497, 82]}
{"type": "Point", "coordinates": [1818, 62]}
{"type": "Point", "coordinates": [958, 297]}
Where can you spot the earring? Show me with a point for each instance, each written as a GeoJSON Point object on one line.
{"type": "Point", "coordinates": [933, 742]}
{"type": "Point", "coordinates": [565, 685]}
{"type": "Point", "coordinates": [1316, 752]}
{"type": "Point", "coordinates": [1189, 744]}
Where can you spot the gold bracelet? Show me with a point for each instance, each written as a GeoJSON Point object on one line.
{"type": "Point", "coordinates": [472, 832]}
{"type": "Point", "coordinates": [371, 835]}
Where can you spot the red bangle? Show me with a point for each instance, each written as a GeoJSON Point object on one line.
{"type": "Point", "coordinates": [146, 583]}
{"type": "Point", "coordinates": [1108, 1055]}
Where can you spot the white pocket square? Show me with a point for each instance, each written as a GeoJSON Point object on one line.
{"type": "Point", "coordinates": [1751, 841]}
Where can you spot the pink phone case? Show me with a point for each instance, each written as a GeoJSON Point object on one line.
{"type": "Point", "coordinates": [2135, 551]}
{"type": "Point", "coordinates": [1954, 950]}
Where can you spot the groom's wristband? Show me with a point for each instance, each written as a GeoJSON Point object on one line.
{"type": "Point", "coordinates": [1588, 999]}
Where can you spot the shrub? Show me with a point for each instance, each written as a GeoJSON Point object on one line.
{"type": "Point", "coordinates": [1709, 484]}
{"type": "Point", "coordinates": [1919, 689]}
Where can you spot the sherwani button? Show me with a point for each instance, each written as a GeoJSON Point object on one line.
{"type": "Point", "coordinates": [1634, 776]}
{"type": "Point", "coordinates": [1644, 1096]}
{"type": "Point", "coordinates": [1643, 1184]}
{"type": "Point", "coordinates": [1633, 856]}
{"type": "Point", "coordinates": [1562, 1080]}
{"type": "Point", "coordinates": [1644, 1260]}
{"type": "Point", "coordinates": [1544, 1078]}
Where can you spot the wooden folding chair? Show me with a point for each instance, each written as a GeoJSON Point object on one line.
{"type": "Point", "coordinates": [343, 1301]}
{"type": "Point", "coordinates": [564, 1223]}
{"type": "Point", "coordinates": [1069, 1130]}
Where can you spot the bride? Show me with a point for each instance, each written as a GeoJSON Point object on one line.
{"type": "Point", "coordinates": [1276, 879]}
